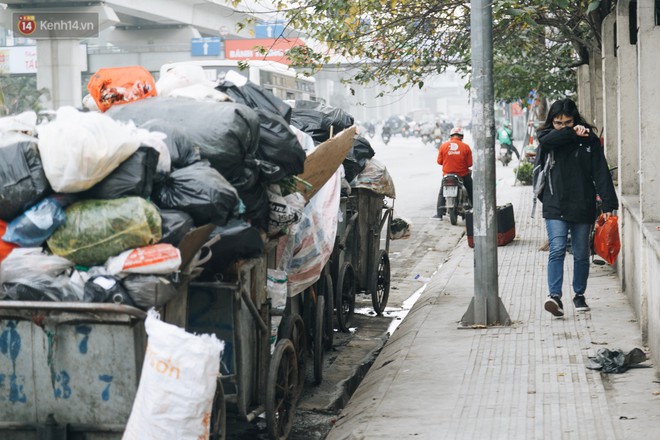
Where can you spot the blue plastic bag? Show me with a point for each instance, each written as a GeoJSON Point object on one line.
{"type": "Point", "coordinates": [36, 225]}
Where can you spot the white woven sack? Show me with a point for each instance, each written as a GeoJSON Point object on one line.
{"type": "Point", "coordinates": [177, 384]}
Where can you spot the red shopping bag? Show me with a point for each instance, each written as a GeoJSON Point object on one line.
{"type": "Point", "coordinates": [606, 239]}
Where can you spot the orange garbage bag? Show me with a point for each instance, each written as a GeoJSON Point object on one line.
{"type": "Point", "coordinates": [120, 85]}
{"type": "Point", "coordinates": [5, 248]}
{"type": "Point", "coordinates": [606, 239]}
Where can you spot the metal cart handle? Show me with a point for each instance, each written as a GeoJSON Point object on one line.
{"type": "Point", "coordinates": [351, 222]}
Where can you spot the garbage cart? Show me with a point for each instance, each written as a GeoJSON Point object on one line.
{"type": "Point", "coordinates": [360, 261]}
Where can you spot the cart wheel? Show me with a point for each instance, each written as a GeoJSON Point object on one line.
{"type": "Point", "coordinates": [326, 289]}
{"type": "Point", "coordinates": [281, 390]}
{"type": "Point", "coordinates": [219, 414]}
{"type": "Point", "coordinates": [380, 293]}
{"type": "Point", "coordinates": [345, 299]}
{"type": "Point", "coordinates": [293, 329]}
{"type": "Point", "coordinates": [319, 327]}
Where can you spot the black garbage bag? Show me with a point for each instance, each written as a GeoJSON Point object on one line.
{"type": "Point", "coordinates": [279, 145]}
{"type": "Point", "coordinates": [22, 179]}
{"type": "Point", "coordinates": [238, 241]}
{"type": "Point", "coordinates": [134, 177]}
{"type": "Point", "coordinates": [256, 97]}
{"type": "Point", "coordinates": [318, 118]}
{"type": "Point", "coordinates": [106, 288]}
{"type": "Point", "coordinates": [147, 291]}
{"type": "Point", "coordinates": [182, 151]}
{"type": "Point", "coordinates": [311, 122]}
{"type": "Point", "coordinates": [254, 196]}
{"type": "Point", "coordinates": [176, 225]}
{"type": "Point", "coordinates": [225, 133]}
{"type": "Point", "coordinates": [616, 361]}
{"type": "Point", "coordinates": [46, 287]}
{"type": "Point", "coordinates": [200, 191]}
{"type": "Point", "coordinates": [356, 159]}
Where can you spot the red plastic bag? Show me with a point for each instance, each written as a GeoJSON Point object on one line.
{"type": "Point", "coordinates": [606, 239]}
{"type": "Point", "coordinates": [120, 85]}
{"type": "Point", "coordinates": [5, 247]}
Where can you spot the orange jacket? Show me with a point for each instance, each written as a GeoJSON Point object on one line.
{"type": "Point", "coordinates": [455, 156]}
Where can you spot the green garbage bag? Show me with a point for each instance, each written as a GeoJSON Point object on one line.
{"type": "Point", "coordinates": [95, 230]}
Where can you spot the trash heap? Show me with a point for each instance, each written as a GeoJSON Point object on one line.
{"type": "Point", "coordinates": [94, 205]}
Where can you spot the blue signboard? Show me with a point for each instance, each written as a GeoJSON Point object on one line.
{"type": "Point", "coordinates": [205, 47]}
{"type": "Point", "coordinates": [268, 30]}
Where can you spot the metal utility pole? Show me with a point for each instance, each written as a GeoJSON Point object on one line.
{"type": "Point", "coordinates": [486, 307]}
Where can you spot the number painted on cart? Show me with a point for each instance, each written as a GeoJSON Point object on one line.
{"type": "Point", "coordinates": [84, 330]}
{"type": "Point", "coordinates": [10, 346]}
{"type": "Point", "coordinates": [105, 394]}
{"type": "Point", "coordinates": [62, 389]}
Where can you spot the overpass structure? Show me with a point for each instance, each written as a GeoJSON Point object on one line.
{"type": "Point", "coordinates": [146, 32]}
{"type": "Point", "coordinates": [151, 33]}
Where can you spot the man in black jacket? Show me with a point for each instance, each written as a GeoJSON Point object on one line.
{"type": "Point", "coordinates": [575, 171]}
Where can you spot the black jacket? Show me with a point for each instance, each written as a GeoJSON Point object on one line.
{"type": "Point", "coordinates": [580, 172]}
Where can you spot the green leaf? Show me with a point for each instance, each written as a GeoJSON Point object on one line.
{"type": "Point", "coordinates": [593, 6]}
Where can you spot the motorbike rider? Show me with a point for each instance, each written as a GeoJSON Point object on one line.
{"type": "Point", "coordinates": [386, 131]}
{"type": "Point", "coordinates": [455, 157]}
{"type": "Point", "coordinates": [504, 138]}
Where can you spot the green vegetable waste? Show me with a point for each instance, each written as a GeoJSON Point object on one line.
{"type": "Point", "coordinates": [95, 230]}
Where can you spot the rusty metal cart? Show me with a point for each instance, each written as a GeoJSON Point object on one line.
{"type": "Point", "coordinates": [70, 370]}
{"type": "Point", "coordinates": [237, 310]}
{"type": "Point", "coordinates": [359, 263]}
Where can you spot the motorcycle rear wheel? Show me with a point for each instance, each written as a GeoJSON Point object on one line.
{"type": "Point", "coordinates": [453, 216]}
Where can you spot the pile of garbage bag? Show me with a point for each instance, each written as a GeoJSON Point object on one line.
{"type": "Point", "coordinates": [94, 204]}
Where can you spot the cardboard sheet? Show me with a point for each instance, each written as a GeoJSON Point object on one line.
{"type": "Point", "coordinates": [322, 163]}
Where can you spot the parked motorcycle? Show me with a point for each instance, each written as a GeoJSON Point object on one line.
{"type": "Point", "coordinates": [456, 197]}
{"type": "Point", "coordinates": [505, 154]}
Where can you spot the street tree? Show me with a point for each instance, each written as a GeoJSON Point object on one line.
{"type": "Point", "coordinates": [537, 43]}
{"type": "Point", "coordinates": [20, 93]}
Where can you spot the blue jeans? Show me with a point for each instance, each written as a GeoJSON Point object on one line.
{"type": "Point", "coordinates": [557, 235]}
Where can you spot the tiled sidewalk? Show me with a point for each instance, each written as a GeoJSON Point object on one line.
{"type": "Point", "coordinates": [525, 381]}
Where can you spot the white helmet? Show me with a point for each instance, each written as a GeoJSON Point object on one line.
{"type": "Point", "coordinates": [456, 131]}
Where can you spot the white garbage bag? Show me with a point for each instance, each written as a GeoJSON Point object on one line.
{"type": "Point", "coordinates": [79, 150]}
{"type": "Point", "coordinates": [177, 385]}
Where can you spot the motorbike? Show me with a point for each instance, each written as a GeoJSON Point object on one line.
{"type": "Point", "coordinates": [386, 137]}
{"type": "Point", "coordinates": [456, 197]}
{"type": "Point", "coordinates": [505, 154]}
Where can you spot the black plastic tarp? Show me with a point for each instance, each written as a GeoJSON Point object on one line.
{"type": "Point", "coordinates": [22, 179]}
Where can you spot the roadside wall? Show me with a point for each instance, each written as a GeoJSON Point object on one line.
{"type": "Point", "coordinates": [633, 66]}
